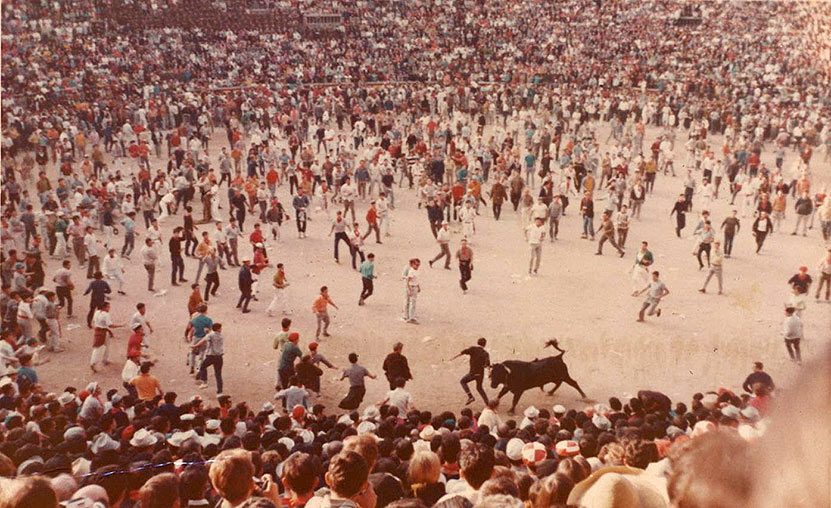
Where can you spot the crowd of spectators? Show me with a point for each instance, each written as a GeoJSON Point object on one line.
{"type": "Point", "coordinates": [82, 447]}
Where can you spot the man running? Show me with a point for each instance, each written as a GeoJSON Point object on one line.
{"type": "Point", "coordinates": [367, 270]}
{"type": "Point", "coordinates": [320, 309]}
{"type": "Point", "coordinates": [465, 257]}
{"type": "Point", "coordinates": [479, 359]}
{"type": "Point", "coordinates": [657, 291]}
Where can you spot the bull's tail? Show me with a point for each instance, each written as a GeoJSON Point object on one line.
{"type": "Point", "coordinates": [556, 345]}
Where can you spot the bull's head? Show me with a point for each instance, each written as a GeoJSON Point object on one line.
{"type": "Point", "coordinates": [498, 375]}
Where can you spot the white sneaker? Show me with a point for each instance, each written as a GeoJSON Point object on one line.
{"type": "Point", "coordinates": [202, 386]}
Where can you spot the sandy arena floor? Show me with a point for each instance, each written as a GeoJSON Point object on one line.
{"type": "Point", "coordinates": [700, 342]}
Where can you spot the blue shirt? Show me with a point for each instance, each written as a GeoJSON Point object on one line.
{"type": "Point", "coordinates": [99, 289]}
{"type": "Point", "coordinates": [129, 225]}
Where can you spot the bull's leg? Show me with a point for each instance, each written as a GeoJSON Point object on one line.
{"type": "Point", "coordinates": [517, 395]}
{"type": "Point", "coordinates": [556, 385]}
{"type": "Point", "coordinates": [575, 385]}
{"type": "Point", "coordinates": [501, 394]}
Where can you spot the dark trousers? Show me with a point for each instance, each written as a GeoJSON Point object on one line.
{"type": "Point", "coordinates": [356, 253]}
{"type": "Point", "coordinates": [130, 389]}
{"type": "Point", "coordinates": [703, 248]}
{"type": "Point", "coordinates": [339, 237]}
{"type": "Point", "coordinates": [301, 223]}
{"type": "Point", "coordinates": [515, 200]}
{"type": "Point", "coordinates": [464, 270]}
{"type": "Point", "coordinates": [611, 239]}
{"type": "Point", "coordinates": [354, 398]}
{"type": "Point", "coordinates": [793, 349]}
{"type": "Point", "coordinates": [151, 276]}
{"type": "Point", "coordinates": [129, 244]}
{"type": "Point", "coordinates": [680, 223]}
{"type": "Point", "coordinates": [223, 250]}
{"type": "Point", "coordinates": [177, 264]}
{"type": "Point", "coordinates": [760, 240]}
{"type": "Point", "coordinates": [64, 295]}
{"type": "Point", "coordinates": [232, 251]}
{"type": "Point", "coordinates": [497, 209]}
{"type": "Point", "coordinates": [368, 287]}
{"type": "Point", "coordinates": [79, 250]}
{"type": "Point", "coordinates": [688, 195]}
{"type": "Point", "coordinates": [373, 227]}
{"type": "Point", "coordinates": [244, 298]}
{"type": "Point", "coordinates": [554, 228]}
{"type": "Point", "coordinates": [478, 378]}
{"type": "Point", "coordinates": [190, 244]}
{"type": "Point", "coordinates": [622, 233]}
{"type": "Point", "coordinates": [285, 375]}
{"type": "Point", "coordinates": [445, 252]}
{"type": "Point", "coordinates": [728, 244]}
{"type": "Point", "coordinates": [216, 361]}
{"type": "Point", "coordinates": [93, 306]}
{"type": "Point", "coordinates": [93, 266]}
{"type": "Point", "coordinates": [211, 284]}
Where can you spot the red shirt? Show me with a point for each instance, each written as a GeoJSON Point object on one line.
{"type": "Point", "coordinates": [259, 262]}
{"type": "Point", "coordinates": [256, 236]}
{"type": "Point", "coordinates": [372, 216]}
{"type": "Point", "coordinates": [134, 345]}
{"type": "Point", "coordinates": [272, 176]}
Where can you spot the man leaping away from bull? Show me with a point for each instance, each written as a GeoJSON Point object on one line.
{"type": "Point", "coordinates": [479, 360]}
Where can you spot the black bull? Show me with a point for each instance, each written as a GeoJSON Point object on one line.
{"type": "Point", "coordinates": [518, 376]}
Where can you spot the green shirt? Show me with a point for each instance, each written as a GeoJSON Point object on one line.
{"type": "Point", "coordinates": [201, 325]}
{"type": "Point", "coordinates": [367, 270]}
{"type": "Point", "coordinates": [281, 339]}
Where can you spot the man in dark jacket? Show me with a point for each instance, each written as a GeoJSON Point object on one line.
{"type": "Point", "coordinates": [758, 376]}
{"type": "Point", "coordinates": [246, 280]}
{"type": "Point", "coordinates": [396, 366]}
{"type": "Point", "coordinates": [803, 206]}
{"type": "Point", "coordinates": [761, 227]}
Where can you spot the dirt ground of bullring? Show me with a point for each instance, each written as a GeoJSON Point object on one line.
{"type": "Point", "coordinates": [701, 341]}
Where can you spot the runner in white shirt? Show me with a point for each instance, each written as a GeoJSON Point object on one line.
{"type": "Point", "coordinates": [399, 398]}
{"type": "Point", "coordinates": [535, 234]}
{"type": "Point", "coordinates": [411, 290]}
{"type": "Point", "coordinates": [468, 216]}
{"type": "Point", "coordinates": [113, 268]}
{"type": "Point", "coordinates": [140, 318]}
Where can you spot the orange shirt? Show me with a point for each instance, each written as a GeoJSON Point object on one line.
{"type": "Point", "coordinates": [321, 303]}
{"type": "Point", "coordinates": [146, 386]}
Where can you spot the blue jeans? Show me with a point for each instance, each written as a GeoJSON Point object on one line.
{"type": "Point", "coordinates": [588, 225]}
{"type": "Point", "coordinates": [529, 176]}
